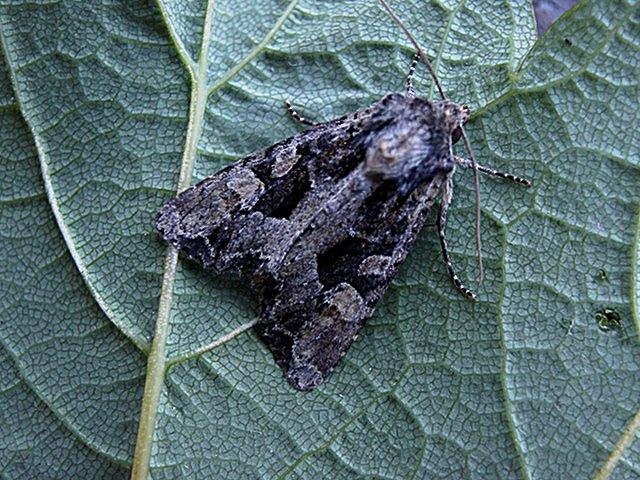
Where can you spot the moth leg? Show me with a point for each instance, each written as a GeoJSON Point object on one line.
{"type": "Point", "coordinates": [297, 116]}
{"type": "Point", "coordinates": [447, 196]}
{"type": "Point", "coordinates": [494, 173]}
{"type": "Point", "coordinates": [409, 81]}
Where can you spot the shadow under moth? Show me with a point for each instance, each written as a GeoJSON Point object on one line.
{"type": "Point", "coordinates": [321, 221]}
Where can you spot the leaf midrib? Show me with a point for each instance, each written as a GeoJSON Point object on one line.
{"type": "Point", "coordinates": [157, 360]}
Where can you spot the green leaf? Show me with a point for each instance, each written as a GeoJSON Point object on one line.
{"type": "Point", "coordinates": [70, 382]}
{"type": "Point", "coordinates": [123, 103]}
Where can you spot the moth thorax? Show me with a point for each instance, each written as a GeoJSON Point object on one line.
{"type": "Point", "coordinates": [396, 150]}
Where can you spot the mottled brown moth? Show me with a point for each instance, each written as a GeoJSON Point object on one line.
{"type": "Point", "coordinates": [321, 221]}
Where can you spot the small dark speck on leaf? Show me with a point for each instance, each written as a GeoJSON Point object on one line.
{"type": "Point", "coordinates": [608, 319]}
{"type": "Point", "coordinates": [601, 275]}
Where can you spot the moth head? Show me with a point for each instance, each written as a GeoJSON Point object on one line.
{"type": "Point", "coordinates": [418, 131]}
{"type": "Point", "coordinates": [453, 116]}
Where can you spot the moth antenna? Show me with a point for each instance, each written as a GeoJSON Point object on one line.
{"type": "Point", "coordinates": [476, 194]}
{"type": "Point", "coordinates": [423, 56]}
{"type": "Point", "coordinates": [467, 145]}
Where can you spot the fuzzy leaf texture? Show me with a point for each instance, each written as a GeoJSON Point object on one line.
{"type": "Point", "coordinates": [104, 104]}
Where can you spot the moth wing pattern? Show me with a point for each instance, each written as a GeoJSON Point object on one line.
{"type": "Point", "coordinates": [310, 320]}
{"type": "Point", "coordinates": [321, 222]}
{"type": "Point", "coordinates": [208, 222]}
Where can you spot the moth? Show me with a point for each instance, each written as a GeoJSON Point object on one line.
{"type": "Point", "coordinates": [320, 222]}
